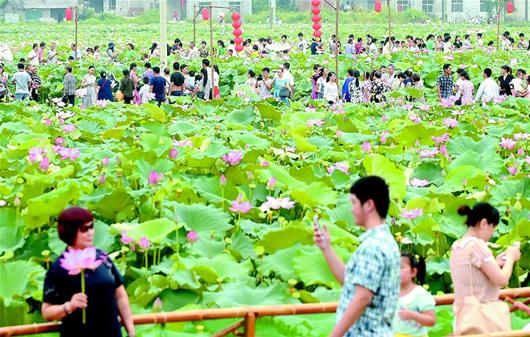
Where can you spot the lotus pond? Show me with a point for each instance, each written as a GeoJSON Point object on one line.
{"type": "Point", "coordinates": [209, 204]}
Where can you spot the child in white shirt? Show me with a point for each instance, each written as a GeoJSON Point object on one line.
{"type": "Point", "coordinates": [144, 91]}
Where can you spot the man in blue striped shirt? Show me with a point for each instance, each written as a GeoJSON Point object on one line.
{"type": "Point", "coordinates": [371, 278]}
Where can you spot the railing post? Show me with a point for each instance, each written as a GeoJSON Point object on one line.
{"type": "Point", "coordinates": [250, 325]}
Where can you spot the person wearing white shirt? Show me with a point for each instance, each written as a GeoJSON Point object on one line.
{"type": "Point", "coordinates": [33, 57]}
{"type": "Point", "coordinates": [517, 84]}
{"type": "Point", "coordinates": [488, 89]}
{"type": "Point", "coordinates": [331, 89]}
{"type": "Point", "coordinates": [287, 75]}
{"type": "Point", "coordinates": [302, 43]}
{"type": "Point", "coordinates": [145, 94]}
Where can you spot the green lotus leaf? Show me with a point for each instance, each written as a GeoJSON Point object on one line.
{"type": "Point", "coordinates": [376, 164]}
{"type": "Point", "coordinates": [277, 239]}
{"type": "Point", "coordinates": [203, 219]}
{"type": "Point", "coordinates": [155, 230]}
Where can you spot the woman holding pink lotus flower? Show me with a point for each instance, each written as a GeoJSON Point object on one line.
{"type": "Point", "coordinates": [83, 288]}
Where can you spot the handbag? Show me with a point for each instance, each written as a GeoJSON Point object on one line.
{"type": "Point", "coordinates": [119, 96]}
{"type": "Point", "coordinates": [476, 317]}
{"type": "Point", "coordinates": [285, 92]}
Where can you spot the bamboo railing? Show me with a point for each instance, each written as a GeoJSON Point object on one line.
{"type": "Point", "coordinates": [250, 314]}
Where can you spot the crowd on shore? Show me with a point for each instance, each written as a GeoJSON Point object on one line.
{"type": "Point", "coordinates": [146, 83]}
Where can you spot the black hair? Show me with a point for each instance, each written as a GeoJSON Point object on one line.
{"type": "Point", "coordinates": [459, 71]}
{"type": "Point", "coordinates": [69, 222]}
{"type": "Point", "coordinates": [267, 69]}
{"type": "Point", "coordinates": [356, 75]}
{"type": "Point", "coordinates": [132, 66]}
{"type": "Point", "coordinates": [446, 66]}
{"type": "Point", "coordinates": [91, 67]}
{"type": "Point", "coordinates": [146, 80]}
{"type": "Point", "coordinates": [251, 73]}
{"type": "Point", "coordinates": [103, 74]}
{"type": "Point", "coordinates": [415, 77]}
{"type": "Point", "coordinates": [488, 72]}
{"type": "Point", "coordinates": [156, 70]}
{"type": "Point", "coordinates": [126, 72]}
{"type": "Point", "coordinates": [206, 62]}
{"type": "Point", "coordinates": [416, 262]}
{"type": "Point", "coordinates": [373, 188]}
{"type": "Point", "coordinates": [148, 65]}
{"type": "Point", "coordinates": [20, 66]}
{"type": "Point", "coordinates": [350, 72]}
{"type": "Point", "coordinates": [465, 75]}
{"type": "Point", "coordinates": [183, 66]}
{"type": "Point", "coordinates": [481, 210]}
{"type": "Point", "coordinates": [507, 68]}
{"type": "Point", "coordinates": [69, 69]}
{"type": "Point", "coordinates": [287, 65]}
{"type": "Point", "coordinates": [176, 66]}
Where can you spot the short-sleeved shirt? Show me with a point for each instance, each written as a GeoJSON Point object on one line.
{"type": "Point", "coordinates": [418, 300]}
{"type": "Point", "coordinates": [446, 86]}
{"type": "Point", "coordinates": [102, 309]}
{"type": "Point", "coordinates": [159, 87]}
{"type": "Point", "coordinates": [375, 265]}
{"type": "Point", "coordinates": [22, 80]}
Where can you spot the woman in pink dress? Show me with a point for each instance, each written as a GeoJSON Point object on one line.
{"type": "Point", "coordinates": [466, 89]}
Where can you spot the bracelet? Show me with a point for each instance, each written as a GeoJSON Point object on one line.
{"type": "Point", "coordinates": [66, 310]}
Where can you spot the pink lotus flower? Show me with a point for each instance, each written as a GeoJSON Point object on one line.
{"type": "Point", "coordinates": [3, 203]}
{"type": "Point", "coordinates": [69, 128]}
{"type": "Point", "coordinates": [36, 154]}
{"type": "Point", "coordinates": [101, 179]}
{"type": "Point", "coordinates": [44, 164]}
{"type": "Point", "coordinates": [521, 136]}
{"type": "Point", "coordinates": [315, 122]}
{"type": "Point", "coordinates": [155, 177]}
{"type": "Point", "coordinates": [233, 157]}
{"type": "Point", "coordinates": [144, 243]}
{"type": "Point", "coordinates": [276, 203]}
{"type": "Point", "coordinates": [310, 109]}
{"type": "Point", "coordinates": [47, 121]}
{"type": "Point", "coordinates": [450, 122]}
{"type": "Point", "coordinates": [447, 102]}
{"type": "Point", "coordinates": [222, 180]}
{"type": "Point", "coordinates": [415, 118]}
{"type": "Point", "coordinates": [443, 151]}
{"type": "Point", "coordinates": [59, 141]}
{"type": "Point", "coordinates": [383, 139]}
{"type": "Point", "coordinates": [424, 107]}
{"type": "Point", "coordinates": [125, 238]}
{"type": "Point", "coordinates": [240, 206]}
{"type": "Point", "coordinates": [183, 143]}
{"type": "Point", "coordinates": [508, 144]}
{"type": "Point", "coordinates": [442, 139]}
{"type": "Point", "coordinates": [343, 167]}
{"type": "Point", "coordinates": [264, 164]}
{"type": "Point", "coordinates": [419, 182]}
{"type": "Point", "coordinates": [512, 170]}
{"type": "Point", "coordinates": [412, 214]}
{"type": "Point", "coordinates": [192, 236]}
{"type": "Point", "coordinates": [105, 162]}
{"type": "Point", "coordinates": [366, 147]}
{"type": "Point", "coordinates": [339, 133]}
{"type": "Point", "coordinates": [428, 153]}
{"type": "Point", "coordinates": [527, 160]}
{"type": "Point", "coordinates": [77, 260]}
{"type": "Point", "coordinates": [66, 153]}
{"type": "Point", "coordinates": [408, 107]}
{"type": "Point", "coordinates": [173, 153]}
{"type": "Point", "coordinates": [271, 183]}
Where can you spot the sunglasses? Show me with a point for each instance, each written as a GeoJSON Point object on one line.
{"type": "Point", "coordinates": [86, 228]}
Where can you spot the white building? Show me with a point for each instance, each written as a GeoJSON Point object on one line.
{"type": "Point", "coordinates": [451, 10]}
{"type": "Point", "coordinates": [242, 6]}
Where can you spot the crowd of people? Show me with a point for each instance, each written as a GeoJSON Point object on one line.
{"type": "Point", "coordinates": [160, 84]}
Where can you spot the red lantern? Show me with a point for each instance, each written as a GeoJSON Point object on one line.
{"type": "Point", "coordinates": [377, 6]}
{"type": "Point", "coordinates": [238, 32]}
{"type": "Point", "coordinates": [236, 24]}
{"type": "Point", "coordinates": [316, 18]}
{"type": "Point", "coordinates": [68, 14]}
{"type": "Point", "coordinates": [236, 16]}
{"type": "Point", "coordinates": [238, 40]}
{"type": "Point", "coordinates": [509, 7]}
{"type": "Point", "coordinates": [317, 26]}
{"type": "Point", "coordinates": [315, 10]}
{"type": "Point", "coordinates": [315, 2]}
{"type": "Point", "coordinates": [317, 33]}
{"type": "Point", "coordinates": [205, 14]}
{"type": "Point", "coordinates": [239, 47]}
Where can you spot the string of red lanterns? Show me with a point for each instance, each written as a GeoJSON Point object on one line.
{"type": "Point", "coordinates": [205, 14]}
{"type": "Point", "coordinates": [315, 9]}
{"type": "Point", "coordinates": [509, 7]}
{"type": "Point", "coordinates": [236, 24]}
{"type": "Point", "coordinates": [378, 6]}
{"type": "Point", "coordinates": [69, 14]}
